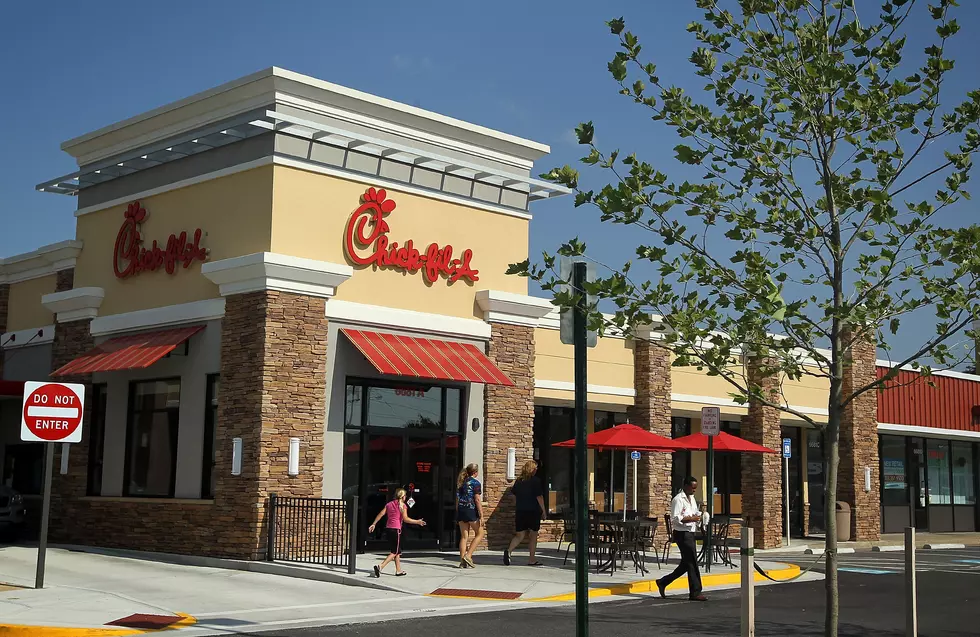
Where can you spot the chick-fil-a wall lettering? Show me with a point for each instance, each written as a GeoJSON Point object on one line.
{"type": "Point", "coordinates": [366, 242]}
{"type": "Point", "coordinates": [130, 257]}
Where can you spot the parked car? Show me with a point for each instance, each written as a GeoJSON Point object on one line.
{"type": "Point", "coordinates": [11, 512]}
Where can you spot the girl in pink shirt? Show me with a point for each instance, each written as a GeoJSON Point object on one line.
{"type": "Point", "coordinates": [397, 513]}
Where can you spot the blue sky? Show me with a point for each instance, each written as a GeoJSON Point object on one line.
{"type": "Point", "coordinates": [527, 68]}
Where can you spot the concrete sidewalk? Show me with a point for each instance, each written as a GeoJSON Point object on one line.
{"type": "Point", "coordinates": [888, 541]}
{"type": "Point", "coordinates": [86, 592]}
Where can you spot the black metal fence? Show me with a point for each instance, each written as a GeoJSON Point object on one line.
{"type": "Point", "coordinates": [312, 530]}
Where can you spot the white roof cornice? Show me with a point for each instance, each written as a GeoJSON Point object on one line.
{"type": "Point", "coordinates": [44, 261]}
{"type": "Point", "coordinates": [273, 85]}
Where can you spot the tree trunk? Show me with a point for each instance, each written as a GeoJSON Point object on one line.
{"type": "Point", "coordinates": [831, 462]}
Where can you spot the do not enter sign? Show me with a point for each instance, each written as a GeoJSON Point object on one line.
{"type": "Point", "coordinates": [52, 412]}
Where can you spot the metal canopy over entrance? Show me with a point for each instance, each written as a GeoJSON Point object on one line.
{"type": "Point", "coordinates": [350, 142]}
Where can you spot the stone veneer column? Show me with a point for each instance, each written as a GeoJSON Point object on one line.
{"type": "Point", "coordinates": [859, 442]}
{"type": "Point", "coordinates": [651, 410]}
{"type": "Point", "coordinates": [4, 305]}
{"type": "Point", "coordinates": [72, 338]}
{"type": "Point", "coordinates": [273, 388]}
{"type": "Point", "coordinates": [762, 498]}
{"type": "Point", "coordinates": [508, 422]}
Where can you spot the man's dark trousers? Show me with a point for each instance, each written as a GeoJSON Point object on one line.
{"type": "Point", "coordinates": [688, 565]}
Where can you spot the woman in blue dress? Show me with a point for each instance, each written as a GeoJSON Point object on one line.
{"type": "Point", "coordinates": [469, 513]}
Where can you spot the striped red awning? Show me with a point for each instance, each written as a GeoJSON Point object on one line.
{"type": "Point", "coordinates": [135, 351]}
{"type": "Point", "coordinates": [426, 358]}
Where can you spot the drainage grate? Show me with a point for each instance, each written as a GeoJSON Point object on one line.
{"type": "Point", "coordinates": [146, 622]}
{"type": "Point", "coordinates": [476, 594]}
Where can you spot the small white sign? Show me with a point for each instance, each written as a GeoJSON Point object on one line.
{"type": "Point", "coordinates": [410, 502]}
{"type": "Point", "coordinates": [52, 412]}
{"type": "Point", "coordinates": [710, 421]}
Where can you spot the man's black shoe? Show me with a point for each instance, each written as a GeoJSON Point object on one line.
{"type": "Point", "coordinates": [698, 598]}
{"type": "Point", "coordinates": [506, 557]}
{"type": "Point", "coordinates": [662, 588]}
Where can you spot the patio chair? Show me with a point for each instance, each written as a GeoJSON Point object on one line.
{"type": "Point", "coordinates": [648, 538]}
{"type": "Point", "coordinates": [603, 543]}
{"type": "Point", "coordinates": [669, 528]}
{"type": "Point", "coordinates": [569, 530]}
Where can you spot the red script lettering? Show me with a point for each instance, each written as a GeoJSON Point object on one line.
{"type": "Point", "coordinates": [367, 231]}
{"type": "Point", "coordinates": [129, 257]}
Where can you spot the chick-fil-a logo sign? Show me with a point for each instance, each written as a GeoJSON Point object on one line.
{"type": "Point", "coordinates": [130, 257]}
{"type": "Point", "coordinates": [366, 241]}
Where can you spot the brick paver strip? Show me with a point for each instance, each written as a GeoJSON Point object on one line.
{"type": "Point", "coordinates": [466, 592]}
{"type": "Point", "coordinates": [144, 621]}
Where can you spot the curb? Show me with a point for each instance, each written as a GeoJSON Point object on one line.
{"type": "Point", "coordinates": [887, 549]}
{"type": "Point", "coordinates": [29, 630]}
{"type": "Point", "coordinates": [650, 586]}
{"type": "Point", "coordinates": [944, 546]}
{"type": "Point", "coordinates": [844, 551]}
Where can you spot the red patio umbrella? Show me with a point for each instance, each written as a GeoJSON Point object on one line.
{"type": "Point", "coordinates": [722, 442]}
{"type": "Point", "coordinates": [628, 438]}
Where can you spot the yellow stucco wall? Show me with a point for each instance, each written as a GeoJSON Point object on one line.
{"type": "Point", "coordinates": [234, 212]}
{"type": "Point", "coordinates": [310, 213]}
{"type": "Point", "coordinates": [610, 361]}
{"type": "Point", "coordinates": [24, 309]}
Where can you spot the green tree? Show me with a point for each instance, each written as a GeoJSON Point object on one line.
{"type": "Point", "coordinates": [817, 214]}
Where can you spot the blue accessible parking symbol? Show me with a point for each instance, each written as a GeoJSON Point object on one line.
{"type": "Point", "coordinates": [634, 455]}
{"type": "Point", "coordinates": [787, 447]}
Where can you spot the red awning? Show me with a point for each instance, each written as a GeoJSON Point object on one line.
{"type": "Point", "coordinates": [426, 358]}
{"type": "Point", "coordinates": [135, 351]}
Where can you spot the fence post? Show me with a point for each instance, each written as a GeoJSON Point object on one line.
{"type": "Point", "coordinates": [352, 535]}
{"type": "Point", "coordinates": [270, 541]}
{"type": "Point", "coordinates": [911, 612]}
{"type": "Point", "coordinates": [748, 582]}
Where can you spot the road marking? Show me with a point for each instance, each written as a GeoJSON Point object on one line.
{"type": "Point", "coordinates": [865, 571]}
{"type": "Point", "coordinates": [967, 561]}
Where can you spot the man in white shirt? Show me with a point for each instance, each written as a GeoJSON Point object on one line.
{"type": "Point", "coordinates": [685, 517]}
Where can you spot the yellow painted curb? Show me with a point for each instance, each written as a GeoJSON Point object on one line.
{"type": "Point", "coordinates": [650, 586]}
{"type": "Point", "coordinates": [25, 630]}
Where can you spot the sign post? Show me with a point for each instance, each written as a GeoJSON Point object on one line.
{"type": "Point", "coordinates": [52, 413]}
{"type": "Point", "coordinates": [787, 454]}
{"type": "Point", "coordinates": [634, 455]}
{"type": "Point", "coordinates": [710, 426]}
{"type": "Point", "coordinates": [580, 334]}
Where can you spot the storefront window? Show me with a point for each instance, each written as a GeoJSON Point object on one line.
{"type": "Point", "coordinates": [354, 405]}
{"type": "Point", "coordinates": [23, 467]}
{"type": "Point", "coordinates": [940, 491]}
{"type": "Point", "coordinates": [551, 425]}
{"type": "Point", "coordinates": [728, 476]}
{"type": "Point", "coordinates": [894, 486]}
{"type": "Point", "coordinates": [151, 458]}
{"type": "Point", "coordinates": [412, 406]}
{"type": "Point", "coordinates": [815, 480]}
{"type": "Point", "coordinates": [680, 461]}
{"type": "Point", "coordinates": [454, 403]}
{"type": "Point", "coordinates": [210, 437]}
{"type": "Point", "coordinates": [96, 446]}
{"type": "Point", "coordinates": [963, 474]}
{"type": "Point", "coordinates": [604, 463]}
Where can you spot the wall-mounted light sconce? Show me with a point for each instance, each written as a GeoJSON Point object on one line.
{"type": "Point", "coordinates": [867, 479]}
{"type": "Point", "coordinates": [294, 456]}
{"type": "Point", "coordinates": [476, 424]}
{"type": "Point", "coordinates": [236, 456]}
{"type": "Point", "coordinates": [64, 457]}
{"type": "Point", "coordinates": [511, 463]}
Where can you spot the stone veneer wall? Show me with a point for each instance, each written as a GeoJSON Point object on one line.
{"type": "Point", "coordinates": [859, 442]}
{"type": "Point", "coordinates": [4, 304]}
{"type": "Point", "coordinates": [651, 410]}
{"type": "Point", "coordinates": [508, 422]}
{"type": "Point", "coordinates": [273, 387]}
{"type": "Point", "coordinates": [762, 498]}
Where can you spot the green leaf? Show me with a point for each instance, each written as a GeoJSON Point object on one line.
{"type": "Point", "coordinates": [585, 132]}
